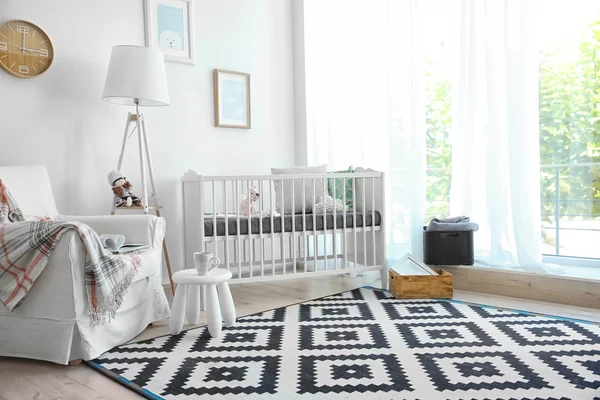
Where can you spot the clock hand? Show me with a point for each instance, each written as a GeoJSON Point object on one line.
{"type": "Point", "coordinates": [34, 51]}
{"type": "Point", "coordinates": [23, 49]}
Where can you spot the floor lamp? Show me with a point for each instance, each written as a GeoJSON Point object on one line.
{"type": "Point", "coordinates": [136, 77]}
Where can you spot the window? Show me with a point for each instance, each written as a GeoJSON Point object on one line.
{"type": "Point", "coordinates": [438, 98]}
{"type": "Point", "coordinates": [569, 106]}
{"type": "Point", "coordinates": [437, 34]}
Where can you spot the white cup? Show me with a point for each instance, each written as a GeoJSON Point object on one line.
{"type": "Point", "coordinates": [205, 262]}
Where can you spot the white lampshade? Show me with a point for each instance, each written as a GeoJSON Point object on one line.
{"type": "Point", "coordinates": [136, 72]}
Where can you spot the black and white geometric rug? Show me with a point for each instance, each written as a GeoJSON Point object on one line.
{"type": "Point", "coordinates": [363, 344]}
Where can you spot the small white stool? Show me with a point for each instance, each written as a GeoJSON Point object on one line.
{"type": "Point", "coordinates": [188, 291]}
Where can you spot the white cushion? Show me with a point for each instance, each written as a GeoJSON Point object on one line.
{"type": "Point", "coordinates": [294, 205]}
{"type": "Point", "coordinates": [360, 189]}
{"type": "Point", "coordinates": [30, 186]}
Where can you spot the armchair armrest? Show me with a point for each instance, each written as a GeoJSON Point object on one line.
{"type": "Point", "coordinates": [139, 229]}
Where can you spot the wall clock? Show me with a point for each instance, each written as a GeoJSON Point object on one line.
{"type": "Point", "coordinates": [25, 50]}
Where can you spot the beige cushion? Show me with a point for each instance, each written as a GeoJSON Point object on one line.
{"type": "Point", "coordinates": [294, 205]}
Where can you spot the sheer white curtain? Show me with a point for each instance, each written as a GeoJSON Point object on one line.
{"type": "Point", "coordinates": [495, 142]}
{"type": "Point", "coordinates": [365, 101]}
{"type": "Point", "coordinates": [346, 76]}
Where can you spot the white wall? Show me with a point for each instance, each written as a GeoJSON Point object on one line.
{"type": "Point", "coordinates": [59, 120]}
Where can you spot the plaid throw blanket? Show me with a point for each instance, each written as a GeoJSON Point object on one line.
{"type": "Point", "coordinates": [25, 247]}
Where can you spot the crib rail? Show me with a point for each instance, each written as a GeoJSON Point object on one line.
{"type": "Point", "coordinates": [218, 178]}
{"type": "Point", "coordinates": [288, 237]}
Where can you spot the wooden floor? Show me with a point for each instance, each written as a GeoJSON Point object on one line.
{"type": "Point", "coordinates": [26, 379]}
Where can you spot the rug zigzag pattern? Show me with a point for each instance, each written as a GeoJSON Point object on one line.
{"type": "Point", "coordinates": [365, 344]}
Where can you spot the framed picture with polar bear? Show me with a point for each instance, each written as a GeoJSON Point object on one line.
{"type": "Point", "coordinates": [170, 28]}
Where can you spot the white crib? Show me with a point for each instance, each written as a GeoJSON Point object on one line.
{"type": "Point", "coordinates": [286, 245]}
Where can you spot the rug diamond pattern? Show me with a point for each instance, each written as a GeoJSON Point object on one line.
{"type": "Point", "coordinates": [365, 344]}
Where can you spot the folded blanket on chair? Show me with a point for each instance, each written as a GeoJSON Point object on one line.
{"type": "Point", "coordinates": [25, 247]}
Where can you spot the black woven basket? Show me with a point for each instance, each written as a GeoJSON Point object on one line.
{"type": "Point", "coordinates": [448, 248]}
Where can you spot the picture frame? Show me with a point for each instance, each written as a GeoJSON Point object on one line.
{"type": "Point", "coordinates": [169, 27]}
{"type": "Point", "coordinates": [232, 99]}
{"type": "Point", "coordinates": [409, 265]}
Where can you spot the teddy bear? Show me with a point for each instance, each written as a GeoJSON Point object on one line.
{"type": "Point", "coordinates": [121, 188]}
{"type": "Point", "coordinates": [247, 206]}
{"type": "Point", "coordinates": [327, 202]}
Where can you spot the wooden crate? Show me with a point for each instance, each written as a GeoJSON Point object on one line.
{"type": "Point", "coordinates": [421, 286]}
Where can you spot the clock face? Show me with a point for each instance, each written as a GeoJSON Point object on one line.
{"type": "Point", "coordinates": [25, 50]}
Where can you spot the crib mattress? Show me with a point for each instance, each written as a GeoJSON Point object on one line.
{"type": "Point", "coordinates": [362, 219]}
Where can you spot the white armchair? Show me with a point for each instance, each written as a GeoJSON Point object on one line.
{"type": "Point", "coordinates": [52, 323]}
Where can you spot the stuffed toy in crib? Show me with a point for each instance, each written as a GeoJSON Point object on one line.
{"type": "Point", "coordinates": [328, 202]}
{"type": "Point", "coordinates": [247, 207]}
{"type": "Point", "coordinates": [121, 188]}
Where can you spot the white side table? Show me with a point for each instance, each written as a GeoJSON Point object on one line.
{"type": "Point", "coordinates": [188, 291]}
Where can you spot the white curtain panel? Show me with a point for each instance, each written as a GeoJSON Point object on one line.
{"type": "Point", "coordinates": [365, 105]}
{"type": "Point", "coordinates": [365, 101]}
{"type": "Point", "coordinates": [495, 142]}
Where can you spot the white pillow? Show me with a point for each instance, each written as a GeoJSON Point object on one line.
{"type": "Point", "coordinates": [368, 206]}
{"type": "Point", "coordinates": [293, 206]}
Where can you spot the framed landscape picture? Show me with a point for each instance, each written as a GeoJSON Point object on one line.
{"type": "Point", "coordinates": [232, 99]}
{"type": "Point", "coordinates": [170, 28]}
